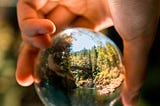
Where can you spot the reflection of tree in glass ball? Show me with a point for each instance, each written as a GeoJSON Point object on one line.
{"type": "Point", "coordinates": [82, 68]}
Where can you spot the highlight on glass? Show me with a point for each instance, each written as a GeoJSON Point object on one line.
{"type": "Point", "coordinates": [82, 68]}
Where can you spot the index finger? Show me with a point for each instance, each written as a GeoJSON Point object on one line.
{"type": "Point", "coordinates": [30, 21]}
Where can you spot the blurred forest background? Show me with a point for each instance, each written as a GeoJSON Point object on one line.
{"type": "Point", "coordinates": [12, 94]}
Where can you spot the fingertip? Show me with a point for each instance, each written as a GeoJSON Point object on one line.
{"type": "Point", "coordinates": [33, 27]}
{"type": "Point", "coordinates": [48, 27]}
{"type": "Point", "coordinates": [23, 80]}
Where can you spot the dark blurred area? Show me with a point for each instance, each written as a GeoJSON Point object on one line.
{"type": "Point", "coordinates": [12, 94]}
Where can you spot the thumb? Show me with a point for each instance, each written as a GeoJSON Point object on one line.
{"type": "Point", "coordinates": [25, 65]}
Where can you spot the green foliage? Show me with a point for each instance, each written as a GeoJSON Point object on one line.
{"type": "Point", "coordinates": [99, 64]}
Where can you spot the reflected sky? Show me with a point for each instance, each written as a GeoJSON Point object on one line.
{"type": "Point", "coordinates": [82, 68]}
{"type": "Point", "coordinates": [81, 42]}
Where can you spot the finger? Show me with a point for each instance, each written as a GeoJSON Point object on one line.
{"type": "Point", "coordinates": [78, 7]}
{"type": "Point", "coordinates": [86, 23]}
{"type": "Point", "coordinates": [33, 27]}
{"type": "Point", "coordinates": [37, 4]}
{"type": "Point", "coordinates": [41, 41]}
{"type": "Point", "coordinates": [29, 20]}
{"type": "Point", "coordinates": [26, 10]}
{"type": "Point", "coordinates": [25, 65]}
{"type": "Point", "coordinates": [82, 22]}
{"type": "Point", "coordinates": [51, 5]}
{"type": "Point", "coordinates": [61, 17]}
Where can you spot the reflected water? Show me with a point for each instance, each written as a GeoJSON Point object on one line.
{"type": "Point", "coordinates": [82, 68]}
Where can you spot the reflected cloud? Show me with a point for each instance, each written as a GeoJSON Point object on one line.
{"type": "Point", "coordinates": [83, 67]}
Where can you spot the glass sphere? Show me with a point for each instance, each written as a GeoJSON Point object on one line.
{"type": "Point", "coordinates": [82, 68]}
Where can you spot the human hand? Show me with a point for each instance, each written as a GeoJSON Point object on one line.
{"type": "Point", "coordinates": [40, 19]}
{"type": "Point", "coordinates": [136, 22]}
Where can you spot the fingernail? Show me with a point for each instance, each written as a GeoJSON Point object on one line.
{"type": "Point", "coordinates": [54, 28]}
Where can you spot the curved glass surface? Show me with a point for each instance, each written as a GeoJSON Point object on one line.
{"type": "Point", "coordinates": [82, 68]}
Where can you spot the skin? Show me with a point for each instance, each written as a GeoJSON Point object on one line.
{"type": "Point", "coordinates": [135, 21]}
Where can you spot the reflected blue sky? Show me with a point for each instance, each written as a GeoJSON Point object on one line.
{"type": "Point", "coordinates": [81, 42]}
{"type": "Point", "coordinates": [86, 40]}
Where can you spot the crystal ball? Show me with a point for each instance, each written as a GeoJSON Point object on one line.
{"type": "Point", "coordinates": [82, 68]}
